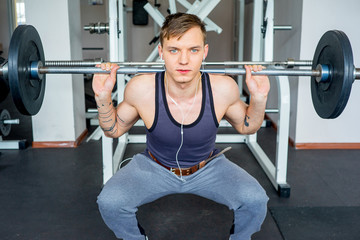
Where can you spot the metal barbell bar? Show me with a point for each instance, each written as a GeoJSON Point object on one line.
{"type": "Point", "coordinates": [78, 67]}
{"type": "Point", "coordinates": [321, 73]}
{"type": "Point", "coordinates": [290, 63]}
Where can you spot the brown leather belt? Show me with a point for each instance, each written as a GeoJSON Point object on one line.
{"type": "Point", "coordinates": [190, 170]}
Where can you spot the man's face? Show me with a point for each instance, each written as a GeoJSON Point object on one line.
{"type": "Point", "coordinates": [183, 56]}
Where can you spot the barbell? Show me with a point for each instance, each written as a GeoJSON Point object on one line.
{"type": "Point", "coordinates": [332, 71]}
{"type": "Point", "coordinates": [6, 121]}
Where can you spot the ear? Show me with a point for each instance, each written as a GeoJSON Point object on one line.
{"type": "Point", "coordinates": [160, 51]}
{"type": "Point", "coordinates": [206, 50]}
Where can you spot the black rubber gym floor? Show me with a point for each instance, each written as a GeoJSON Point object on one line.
{"type": "Point", "coordinates": [51, 194]}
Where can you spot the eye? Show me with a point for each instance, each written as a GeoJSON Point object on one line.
{"type": "Point", "coordinates": [194, 50]}
{"type": "Point", "coordinates": [173, 50]}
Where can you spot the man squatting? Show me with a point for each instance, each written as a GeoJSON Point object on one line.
{"type": "Point", "coordinates": [181, 108]}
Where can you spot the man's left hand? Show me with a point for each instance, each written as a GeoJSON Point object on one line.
{"type": "Point", "coordinates": [258, 85]}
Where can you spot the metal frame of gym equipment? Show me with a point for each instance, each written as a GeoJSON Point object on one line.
{"type": "Point", "coordinates": [200, 8]}
{"type": "Point", "coordinates": [11, 144]}
{"type": "Point", "coordinates": [276, 171]}
{"type": "Point", "coordinates": [5, 124]}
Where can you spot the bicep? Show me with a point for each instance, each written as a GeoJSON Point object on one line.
{"type": "Point", "coordinates": [235, 114]}
{"type": "Point", "coordinates": [126, 112]}
{"type": "Point", "coordinates": [126, 115]}
{"type": "Point", "coordinates": [236, 108]}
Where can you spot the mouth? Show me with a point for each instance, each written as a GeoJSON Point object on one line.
{"type": "Point", "coordinates": [183, 71]}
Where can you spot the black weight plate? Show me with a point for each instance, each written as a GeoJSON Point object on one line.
{"type": "Point", "coordinates": [4, 86]}
{"type": "Point", "coordinates": [330, 97]}
{"type": "Point", "coordinates": [25, 47]}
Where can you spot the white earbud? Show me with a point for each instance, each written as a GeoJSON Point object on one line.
{"type": "Point", "coordinates": [161, 57]}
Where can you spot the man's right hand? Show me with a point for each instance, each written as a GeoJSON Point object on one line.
{"type": "Point", "coordinates": [103, 84]}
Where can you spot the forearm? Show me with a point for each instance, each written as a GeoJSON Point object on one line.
{"type": "Point", "coordinates": [254, 115]}
{"type": "Point", "coordinates": [107, 116]}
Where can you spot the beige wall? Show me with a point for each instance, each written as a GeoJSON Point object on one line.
{"type": "Point", "coordinates": [309, 127]}
{"type": "Point", "coordinates": [62, 115]}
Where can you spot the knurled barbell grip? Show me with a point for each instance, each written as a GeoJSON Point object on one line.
{"type": "Point", "coordinates": [90, 70]}
{"type": "Point", "coordinates": [275, 72]}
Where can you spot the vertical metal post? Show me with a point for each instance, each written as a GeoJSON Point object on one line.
{"type": "Point", "coordinates": [282, 137]}
{"type": "Point", "coordinates": [117, 54]}
{"type": "Point", "coordinates": [172, 6]}
{"type": "Point", "coordinates": [107, 143]}
{"type": "Point", "coordinates": [283, 102]}
{"type": "Point", "coordinates": [275, 172]}
{"type": "Point", "coordinates": [120, 37]}
{"type": "Point", "coordinates": [257, 42]}
{"type": "Point", "coordinates": [240, 38]}
{"type": "Point", "coordinates": [269, 36]}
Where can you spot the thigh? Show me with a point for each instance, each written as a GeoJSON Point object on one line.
{"type": "Point", "coordinates": [139, 182]}
{"type": "Point", "coordinates": [227, 183]}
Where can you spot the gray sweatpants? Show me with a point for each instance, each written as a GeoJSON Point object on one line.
{"type": "Point", "coordinates": [142, 181]}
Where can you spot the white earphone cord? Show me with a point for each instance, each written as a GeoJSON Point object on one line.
{"type": "Point", "coordinates": [182, 122]}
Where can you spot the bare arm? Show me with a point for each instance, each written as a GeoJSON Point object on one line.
{"type": "Point", "coordinates": [113, 121]}
{"type": "Point", "coordinates": [247, 119]}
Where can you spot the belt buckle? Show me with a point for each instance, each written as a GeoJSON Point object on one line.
{"type": "Point", "coordinates": [172, 170]}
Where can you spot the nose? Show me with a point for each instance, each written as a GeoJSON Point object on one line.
{"type": "Point", "coordinates": [184, 58]}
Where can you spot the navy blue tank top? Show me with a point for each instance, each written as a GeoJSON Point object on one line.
{"type": "Point", "coordinates": [164, 138]}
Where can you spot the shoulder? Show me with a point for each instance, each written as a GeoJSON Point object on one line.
{"type": "Point", "coordinates": [141, 80]}
{"type": "Point", "coordinates": [224, 86]}
{"type": "Point", "coordinates": [140, 83]}
{"type": "Point", "coordinates": [140, 86]}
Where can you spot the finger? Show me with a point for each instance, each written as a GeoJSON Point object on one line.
{"type": "Point", "coordinates": [108, 66]}
{"type": "Point", "coordinates": [114, 68]}
{"type": "Point", "coordinates": [105, 66]}
{"type": "Point", "coordinates": [248, 72]}
{"type": "Point", "coordinates": [256, 68]}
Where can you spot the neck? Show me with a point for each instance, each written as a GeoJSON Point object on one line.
{"type": "Point", "coordinates": [183, 99]}
{"type": "Point", "coordinates": [182, 90]}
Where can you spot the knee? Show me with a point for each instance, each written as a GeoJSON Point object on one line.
{"type": "Point", "coordinates": [107, 200]}
{"type": "Point", "coordinates": [259, 201]}
{"type": "Point", "coordinates": [258, 197]}
{"type": "Point", "coordinates": [254, 197]}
